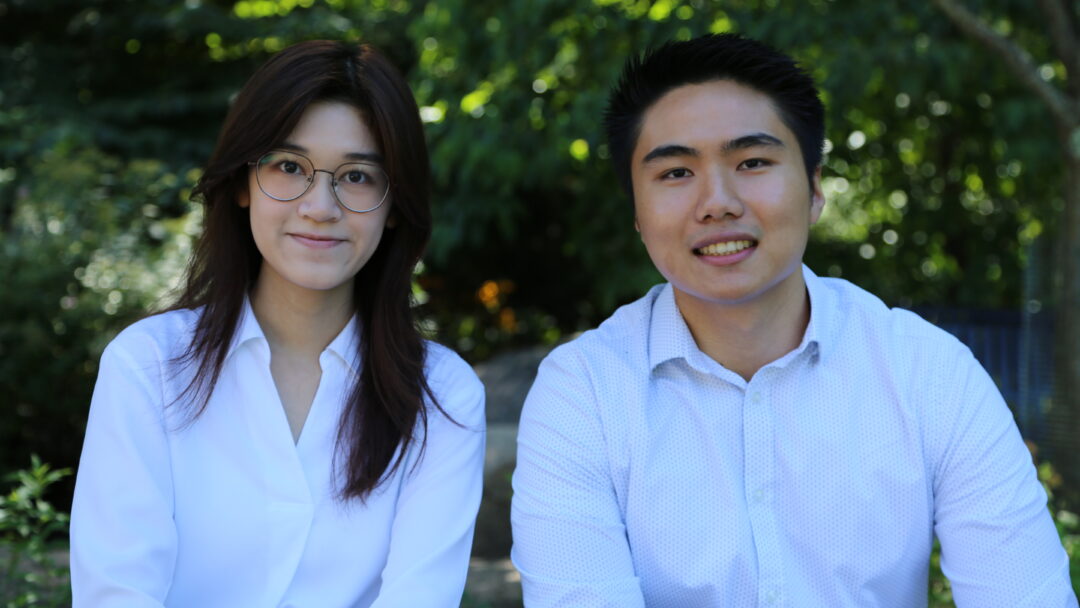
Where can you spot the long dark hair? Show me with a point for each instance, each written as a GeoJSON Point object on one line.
{"type": "Point", "coordinates": [381, 410]}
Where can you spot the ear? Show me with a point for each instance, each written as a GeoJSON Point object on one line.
{"type": "Point", "coordinates": [391, 221]}
{"type": "Point", "coordinates": [637, 226]}
{"type": "Point", "coordinates": [817, 198]}
{"type": "Point", "coordinates": [244, 198]}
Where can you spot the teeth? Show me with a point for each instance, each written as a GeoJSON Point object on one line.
{"type": "Point", "coordinates": [726, 248]}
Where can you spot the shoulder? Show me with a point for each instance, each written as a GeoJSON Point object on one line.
{"type": "Point", "coordinates": [453, 382]}
{"type": "Point", "coordinates": [160, 337]}
{"type": "Point", "coordinates": [443, 365]}
{"type": "Point", "coordinates": [602, 376]}
{"type": "Point", "coordinates": [590, 394]}
{"type": "Point", "coordinates": [864, 309]}
{"type": "Point", "coordinates": [868, 330]}
{"type": "Point", "coordinates": [137, 367]}
{"type": "Point", "coordinates": [621, 341]}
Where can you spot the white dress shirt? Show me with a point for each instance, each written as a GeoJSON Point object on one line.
{"type": "Point", "coordinates": [648, 474]}
{"type": "Point", "coordinates": [228, 511]}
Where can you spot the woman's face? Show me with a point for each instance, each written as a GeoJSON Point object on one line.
{"type": "Point", "coordinates": [313, 242]}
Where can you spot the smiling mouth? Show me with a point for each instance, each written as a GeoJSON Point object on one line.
{"type": "Point", "coordinates": [313, 237]}
{"type": "Point", "coordinates": [314, 241]}
{"type": "Point", "coordinates": [725, 248]}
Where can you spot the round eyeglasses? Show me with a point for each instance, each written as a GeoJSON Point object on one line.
{"type": "Point", "coordinates": [286, 176]}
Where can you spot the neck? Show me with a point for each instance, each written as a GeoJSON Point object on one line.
{"type": "Point", "coordinates": [746, 336]}
{"type": "Point", "coordinates": [300, 320]}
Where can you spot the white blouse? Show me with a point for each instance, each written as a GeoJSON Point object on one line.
{"type": "Point", "coordinates": [228, 511]}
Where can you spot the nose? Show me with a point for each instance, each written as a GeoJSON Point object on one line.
{"type": "Point", "coordinates": [319, 203]}
{"type": "Point", "coordinates": [719, 198]}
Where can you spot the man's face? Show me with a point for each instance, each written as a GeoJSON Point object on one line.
{"type": "Point", "coordinates": [721, 195]}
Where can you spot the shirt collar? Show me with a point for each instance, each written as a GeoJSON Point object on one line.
{"type": "Point", "coordinates": [670, 337]}
{"type": "Point", "coordinates": [825, 314]}
{"type": "Point", "coordinates": [346, 345]}
{"type": "Point", "coordinates": [247, 328]}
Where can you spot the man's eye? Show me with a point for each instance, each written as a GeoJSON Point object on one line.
{"type": "Point", "coordinates": [754, 163]}
{"type": "Point", "coordinates": [676, 173]}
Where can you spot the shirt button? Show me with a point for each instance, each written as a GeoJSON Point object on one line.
{"type": "Point", "coordinates": [755, 397]}
{"type": "Point", "coordinates": [771, 596]}
{"type": "Point", "coordinates": [759, 496]}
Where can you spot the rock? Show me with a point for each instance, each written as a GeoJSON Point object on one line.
{"type": "Point", "coordinates": [507, 378]}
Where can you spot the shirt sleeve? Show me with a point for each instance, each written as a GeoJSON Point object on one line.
{"type": "Point", "coordinates": [999, 546]}
{"type": "Point", "coordinates": [123, 539]}
{"type": "Point", "coordinates": [570, 542]}
{"type": "Point", "coordinates": [431, 537]}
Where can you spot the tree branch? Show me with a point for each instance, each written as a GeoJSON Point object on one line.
{"type": "Point", "coordinates": [1015, 58]}
{"type": "Point", "coordinates": [1063, 34]}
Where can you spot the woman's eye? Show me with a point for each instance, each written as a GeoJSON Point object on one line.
{"type": "Point", "coordinates": [355, 177]}
{"type": "Point", "coordinates": [291, 167]}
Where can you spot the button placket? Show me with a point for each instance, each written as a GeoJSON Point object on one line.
{"type": "Point", "coordinates": [760, 470]}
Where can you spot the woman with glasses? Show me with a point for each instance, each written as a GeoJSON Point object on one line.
{"type": "Point", "coordinates": [283, 436]}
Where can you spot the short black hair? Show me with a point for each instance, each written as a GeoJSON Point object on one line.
{"type": "Point", "coordinates": [707, 58]}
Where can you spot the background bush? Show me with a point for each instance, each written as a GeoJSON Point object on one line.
{"type": "Point", "coordinates": [942, 176]}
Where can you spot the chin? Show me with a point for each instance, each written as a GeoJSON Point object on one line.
{"type": "Point", "coordinates": [316, 284]}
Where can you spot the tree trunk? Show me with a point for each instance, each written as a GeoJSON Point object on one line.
{"type": "Point", "coordinates": [1064, 415]}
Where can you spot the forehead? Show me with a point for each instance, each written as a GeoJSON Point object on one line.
{"type": "Point", "coordinates": [709, 112]}
{"type": "Point", "coordinates": [332, 128]}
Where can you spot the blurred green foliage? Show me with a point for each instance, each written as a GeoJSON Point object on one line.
{"type": "Point", "coordinates": [941, 176]}
{"type": "Point", "coordinates": [31, 575]}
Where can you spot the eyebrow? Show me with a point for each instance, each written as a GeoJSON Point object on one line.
{"type": "Point", "coordinates": [668, 151]}
{"type": "Point", "coordinates": [370, 157]}
{"type": "Point", "coordinates": [752, 140]}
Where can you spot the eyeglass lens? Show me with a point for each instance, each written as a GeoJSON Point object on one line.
{"type": "Point", "coordinates": [286, 176]}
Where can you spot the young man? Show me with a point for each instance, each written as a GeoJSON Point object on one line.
{"type": "Point", "coordinates": [749, 434]}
